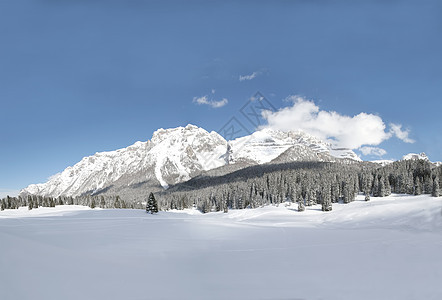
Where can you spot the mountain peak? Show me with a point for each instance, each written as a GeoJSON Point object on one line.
{"type": "Point", "coordinates": [414, 156]}
{"type": "Point", "coordinates": [161, 134]}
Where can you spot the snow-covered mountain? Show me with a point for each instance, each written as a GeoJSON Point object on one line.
{"type": "Point", "coordinates": [421, 156]}
{"type": "Point", "coordinates": [266, 145]}
{"type": "Point", "coordinates": [178, 154]}
{"type": "Point", "coordinates": [171, 156]}
{"type": "Point", "coordinates": [409, 156]}
{"type": "Point", "coordinates": [415, 156]}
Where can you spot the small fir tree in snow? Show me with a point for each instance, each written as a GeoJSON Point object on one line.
{"type": "Point", "coordinates": [327, 205]}
{"type": "Point", "coordinates": [117, 202]}
{"type": "Point", "coordinates": [436, 190]}
{"type": "Point", "coordinates": [102, 202]}
{"type": "Point", "coordinates": [152, 205]}
{"type": "Point", "coordinates": [301, 206]}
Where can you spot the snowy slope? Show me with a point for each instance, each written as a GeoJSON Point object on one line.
{"type": "Point", "coordinates": [387, 248]}
{"type": "Point", "coordinates": [94, 172]}
{"type": "Point", "coordinates": [181, 152]}
{"type": "Point", "coordinates": [265, 145]}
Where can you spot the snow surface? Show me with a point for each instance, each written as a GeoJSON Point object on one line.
{"type": "Point", "coordinates": [387, 248]}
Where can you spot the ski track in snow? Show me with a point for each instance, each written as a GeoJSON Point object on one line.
{"type": "Point", "coordinates": [387, 248]}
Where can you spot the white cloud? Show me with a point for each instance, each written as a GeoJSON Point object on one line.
{"type": "Point", "coordinates": [396, 130]}
{"type": "Point", "coordinates": [342, 131]}
{"type": "Point", "coordinates": [249, 77]}
{"type": "Point", "coordinates": [366, 150]}
{"type": "Point", "coordinates": [213, 103]}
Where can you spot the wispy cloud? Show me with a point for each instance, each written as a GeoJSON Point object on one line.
{"type": "Point", "coordinates": [351, 132]}
{"type": "Point", "coordinates": [366, 150]}
{"type": "Point", "coordinates": [249, 77]}
{"type": "Point", "coordinates": [396, 130]}
{"type": "Point", "coordinates": [204, 100]}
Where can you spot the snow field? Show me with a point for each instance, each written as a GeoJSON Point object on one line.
{"type": "Point", "coordinates": [387, 248]}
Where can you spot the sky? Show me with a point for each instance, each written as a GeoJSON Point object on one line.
{"type": "Point", "coordinates": [80, 77]}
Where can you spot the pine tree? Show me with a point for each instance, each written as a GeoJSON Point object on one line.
{"type": "Point", "coordinates": [102, 202]}
{"type": "Point", "coordinates": [387, 187]}
{"type": "Point", "coordinates": [301, 206]}
{"type": "Point", "coordinates": [436, 190]}
{"type": "Point", "coordinates": [381, 188]}
{"type": "Point", "coordinates": [417, 187]}
{"type": "Point", "coordinates": [326, 205]}
{"type": "Point", "coordinates": [152, 205]}
{"type": "Point", "coordinates": [117, 202]}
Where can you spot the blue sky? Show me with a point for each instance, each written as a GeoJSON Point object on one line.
{"type": "Point", "coordinates": [77, 77]}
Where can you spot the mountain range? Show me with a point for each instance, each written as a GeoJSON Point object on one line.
{"type": "Point", "coordinates": [176, 155]}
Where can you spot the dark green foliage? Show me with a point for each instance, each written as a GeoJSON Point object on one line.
{"type": "Point", "coordinates": [152, 205]}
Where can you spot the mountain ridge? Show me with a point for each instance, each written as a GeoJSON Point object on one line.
{"type": "Point", "coordinates": [176, 155]}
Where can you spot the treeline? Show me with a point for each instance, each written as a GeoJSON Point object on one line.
{"type": "Point", "coordinates": [101, 201]}
{"type": "Point", "coordinates": [303, 183]}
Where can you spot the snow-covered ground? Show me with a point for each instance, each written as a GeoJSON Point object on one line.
{"type": "Point", "coordinates": [388, 248]}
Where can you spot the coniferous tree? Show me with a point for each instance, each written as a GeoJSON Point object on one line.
{"type": "Point", "coordinates": [387, 187]}
{"type": "Point", "coordinates": [152, 205]}
{"type": "Point", "coordinates": [417, 186]}
{"type": "Point", "coordinates": [326, 205]}
{"type": "Point", "coordinates": [35, 203]}
{"type": "Point", "coordinates": [436, 190]}
{"type": "Point", "coordinates": [381, 187]}
{"type": "Point", "coordinates": [117, 202]}
{"type": "Point", "coordinates": [301, 206]}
